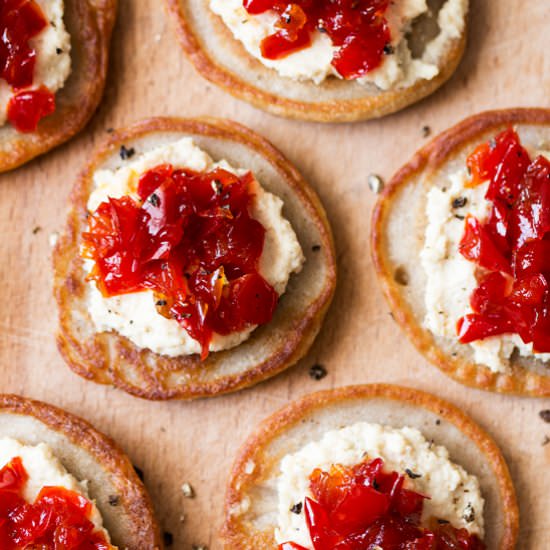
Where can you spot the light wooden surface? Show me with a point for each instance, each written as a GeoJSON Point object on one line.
{"type": "Point", "coordinates": [507, 64]}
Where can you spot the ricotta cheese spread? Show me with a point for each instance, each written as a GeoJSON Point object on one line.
{"type": "Point", "coordinates": [134, 315]}
{"type": "Point", "coordinates": [450, 278]}
{"type": "Point", "coordinates": [454, 494]}
{"type": "Point", "coordinates": [398, 70]}
{"type": "Point", "coordinates": [53, 59]}
{"type": "Point", "coordinates": [45, 469]}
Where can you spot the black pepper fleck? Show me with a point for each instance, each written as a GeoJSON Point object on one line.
{"type": "Point", "coordinates": [317, 372]}
{"type": "Point", "coordinates": [443, 521]}
{"type": "Point", "coordinates": [316, 247]}
{"type": "Point", "coordinates": [469, 514]}
{"type": "Point", "coordinates": [139, 472]}
{"type": "Point", "coordinates": [36, 230]}
{"type": "Point", "coordinates": [437, 422]}
{"type": "Point", "coordinates": [161, 303]}
{"type": "Point", "coordinates": [297, 508]}
{"type": "Point", "coordinates": [459, 202]}
{"type": "Point", "coordinates": [389, 49]}
{"type": "Point", "coordinates": [168, 538]}
{"type": "Point", "coordinates": [412, 474]}
{"type": "Point", "coordinates": [154, 199]}
{"type": "Point", "coordinates": [426, 131]}
{"type": "Point", "coordinates": [545, 415]}
{"type": "Point", "coordinates": [126, 153]}
{"type": "Point", "coordinates": [114, 500]}
{"type": "Point", "coordinates": [58, 51]}
{"type": "Point", "coordinates": [400, 276]}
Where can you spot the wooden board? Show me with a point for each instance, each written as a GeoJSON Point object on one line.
{"type": "Point", "coordinates": [507, 64]}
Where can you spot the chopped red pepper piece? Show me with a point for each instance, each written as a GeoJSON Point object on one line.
{"type": "Point", "coordinates": [476, 245]}
{"type": "Point", "coordinates": [26, 109]}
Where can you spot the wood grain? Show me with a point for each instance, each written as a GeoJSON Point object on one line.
{"type": "Point", "coordinates": [506, 65]}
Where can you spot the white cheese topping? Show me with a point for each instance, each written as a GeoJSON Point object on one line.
{"type": "Point", "coordinates": [53, 59]}
{"type": "Point", "coordinates": [134, 315]}
{"type": "Point", "coordinates": [398, 70]}
{"type": "Point", "coordinates": [450, 278]}
{"type": "Point", "coordinates": [45, 469]}
{"type": "Point", "coordinates": [454, 494]}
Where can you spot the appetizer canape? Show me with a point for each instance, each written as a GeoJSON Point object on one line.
{"type": "Point", "coordinates": [196, 261]}
{"type": "Point", "coordinates": [370, 467]}
{"type": "Point", "coordinates": [324, 60]}
{"type": "Point", "coordinates": [459, 240]}
{"type": "Point", "coordinates": [63, 485]}
{"type": "Point", "coordinates": [53, 65]}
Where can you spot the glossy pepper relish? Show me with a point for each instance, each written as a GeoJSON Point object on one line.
{"type": "Point", "coordinates": [358, 28]}
{"type": "Point", "coordinates": [511, 247]}
{"type": "Point", "coordinates": [20, 21]}
{"type": "Point", "coordinates": [58, 519]}
{"type": "Point", "coordinates": [364, 506]}
{"type": "Point", "coordinates": [189, 238]}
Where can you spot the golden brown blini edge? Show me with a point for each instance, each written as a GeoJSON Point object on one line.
{"type": "Point", "coordinates": [90, 24]}
{"type": "Point", "coordinates": [92, 456]}
{"type": "Point", "coordinates": [241, 535]}
{"type": "Point", "coordinates": [425, 163]}
{"type": "Point", "coordinates": [110, 358]}
{"type": "Point", "coordinates": [253, 90]}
